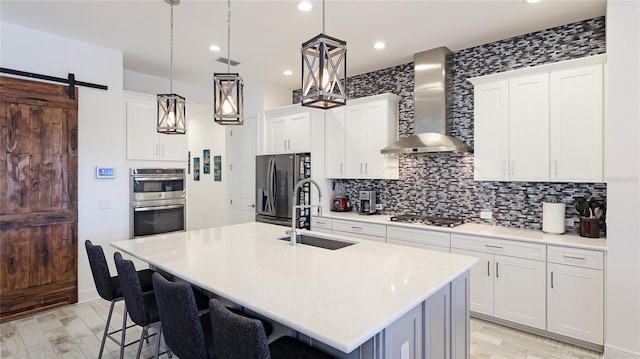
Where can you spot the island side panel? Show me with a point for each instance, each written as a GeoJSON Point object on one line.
{"type": "Point", "coordinates": [460, 317]}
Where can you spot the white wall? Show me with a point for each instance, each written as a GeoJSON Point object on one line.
{"type": "Point", "coordinates": [101, 139]}
{"type": "Point", "coordinates": [153, 85]}
{"type": "Point", "coordinates": [206, 199]}
{"type": "Point", "coordinates": [623, 182]}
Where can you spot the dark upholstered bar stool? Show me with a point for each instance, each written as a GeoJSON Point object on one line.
{"type": "Point", "coordinates": [236, 337]}
{"type": "Point", "coordinates": [108, 288]}
{"type": "Point", "coordinates": [141, 305]}
{"type": "Point", "coordinates": [186, 332]}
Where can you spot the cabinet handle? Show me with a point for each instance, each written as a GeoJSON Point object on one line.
{"type": "Point", "coordinates": [361, 168]}
{"type": "Point", "coordinates": [366, 168]}
{"type": "Point", "coordinates": [157, 149]}
{"type": "Point", "coordinates": [319, 222]}
{"type": "Point", "coordinates": [488, 269]}
{"type": "Point", "coordinates": [492, 246]}
{"type": "Point", "coordinates": [342, 168]}
{"type": "Point", "coordinates": [513, 165]}
{"type": "Point", "coordinates": [555, 167]}
{"type": "Point", "coordinates": [551, 280]}
{"type": "Point", "coordinates": [497, 270]}
{"type": "Point", "coordinates": [574, 257]}
{"type": "Point", "coordinates": [289, 144]}
{"type": "Point", "coordinates": [285, 144]}
{"type": "Point", "coordinates": [162, 150]}
{"type": "Point", "coordinates": [354, 227]}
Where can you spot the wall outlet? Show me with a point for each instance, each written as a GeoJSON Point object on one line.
{"type": "Point", "coordinates": [404, 350]}
{"type": "Point", "coordinates": [568, 222]}
{"type": "Point", "coordinates": [486, 214]}
{"type": "Point", "coordinates": [104, 204]}
{"type": "Point", "coordinates": [379, 207]}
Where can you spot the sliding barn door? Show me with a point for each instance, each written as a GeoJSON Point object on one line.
{"type": "Point", "coordinates": [38, 197]}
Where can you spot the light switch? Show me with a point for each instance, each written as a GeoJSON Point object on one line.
{"type": "Point", "coordinates": [104, 204]}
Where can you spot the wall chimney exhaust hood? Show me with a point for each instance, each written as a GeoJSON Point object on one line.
{"type": "Point", "coordinates": [431, 94]}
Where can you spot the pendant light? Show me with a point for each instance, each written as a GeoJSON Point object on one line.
{"type": "Point", "coordinates": [171, 106]}
{"type": "Point", "coordinates": [228, 101]}
{"type": "Point", "coordinates": [324, 70]}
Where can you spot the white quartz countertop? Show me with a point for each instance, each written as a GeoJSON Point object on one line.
{"type": "Point", "coordinates": [484, 230]}
{"type": "Point", "coordinates": [340, 297]}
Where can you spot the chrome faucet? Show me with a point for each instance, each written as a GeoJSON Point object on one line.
{"type": "Point", "coordinates": [301, 206]}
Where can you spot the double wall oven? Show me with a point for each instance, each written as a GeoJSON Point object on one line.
{"type": "Point", "coordinates": [157, 200]}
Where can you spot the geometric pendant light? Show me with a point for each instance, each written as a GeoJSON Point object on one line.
{"type": "Point", "coordinates": [171, 107]}
{"type": "Point", "coordinates": [228, 89]}
{"type": "Point", "coordinates": [324, 71]}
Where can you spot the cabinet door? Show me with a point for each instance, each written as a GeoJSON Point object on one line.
{"type": "Point", "coordinates": [173, 147]}
{"type": "Point", "coordinates": [278, 134]}
{"type": "Point", "coordinates": [529, 128]}
{"type": "Point", "coordinates": [335, 143]}
{"type": "Point", "coordinates": [142, 138]}
{"type": "Point", "coordinates": [576, 133]}
{"type": "Point", "coordinates": [403, 338]}
{"type": "Point", "coordinates": [519, 290]}
{"type": "Point", "coordinates": [437, 314]}
{"type": "Point", "coordinates": [376, 139]}
{"type": "Point", "coordinates": [299, 133]}
{"type": "Point", "coordinates": [491, 131]}
{"type": "Point", "coordinates": [481, 281]}
{"type": "Point", "coordinates": [575, 300]}
{"type": "Point", "coordinates": [355, 144]}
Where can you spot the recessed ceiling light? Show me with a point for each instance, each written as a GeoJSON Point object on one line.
{"type": "Point", "coordinates": [304, 6]}
{"type": "Point", "coordinates": [288, 72]}
{"type": "Point", "coordinates": [214, 48]}
{"type": "Point", "coordinates": [531, 1]}
{"type": "Point", "coordinates": [379, 45]}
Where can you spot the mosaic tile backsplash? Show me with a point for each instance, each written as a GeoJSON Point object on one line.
{"type": "Point", "coordinates": [443, 184]}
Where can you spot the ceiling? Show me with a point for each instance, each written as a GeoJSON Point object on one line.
{"type": "Point", "coordinates": [266, 35]}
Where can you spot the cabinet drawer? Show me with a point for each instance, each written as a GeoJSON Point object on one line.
{"type": "Point", "coordinates": [370, 229]}
{"type": "Point", "coordinates": [500, 246]}
{"type": "Point", "coordinates": [359, 236]}
{"type": "Point", "coordinates": [419, 236]}
{"type": "Point", "coordinates": [418, 245]}
{"type": "Point", "coordinates": [320, 223]}
{"type": "Point", "coordinates": [576, 257]}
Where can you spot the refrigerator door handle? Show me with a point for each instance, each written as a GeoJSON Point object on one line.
{"type": "Point", "coordinates": [271, 180]}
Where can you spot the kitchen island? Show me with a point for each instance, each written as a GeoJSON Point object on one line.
{"type": "Point", "coordinates": [369, 300]}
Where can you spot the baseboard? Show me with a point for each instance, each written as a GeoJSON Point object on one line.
{"type": "Point", "coordinates": [87, 295]}
{"type": "Point", "coordinates": [613, 352]}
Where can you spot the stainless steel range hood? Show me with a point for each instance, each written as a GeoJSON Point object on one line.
{"type": "Point", "coordinates": [431, 94]}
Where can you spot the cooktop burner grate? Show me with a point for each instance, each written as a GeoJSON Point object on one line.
{"type": "Point", "coordinates": [428, 220]}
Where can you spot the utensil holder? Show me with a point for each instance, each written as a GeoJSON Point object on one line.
{"type": "Point", "coordinates": [589, 227]}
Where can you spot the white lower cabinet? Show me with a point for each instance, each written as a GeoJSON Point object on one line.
{"type": "Point", "coordinates": [419, 238]}
{"type": "Point", "coordinates": [505, 284]}
{"type": "Point", "coordinates": [575, 294]}
{"type": "Point", "coordinates": [360, 230]}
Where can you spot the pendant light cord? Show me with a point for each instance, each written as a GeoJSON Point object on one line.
{"type": "Point", "coordinates": [228, 36]}
{"type": "Point", "coordinates": [171, 61]}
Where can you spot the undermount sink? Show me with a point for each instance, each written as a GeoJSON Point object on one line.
{"type": "Point", "coordinates": [315, 241]}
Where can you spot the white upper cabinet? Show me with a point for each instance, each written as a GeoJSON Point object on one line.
{"type": "Point", "coordinates": [335, 143]}
{"type": "Point", "coordinates": [356, 134]}
{"type": "Point", "coordinates": [288, 130]}
{"type": "Point", "coordinates": [491, 120]}
{"type": "Point", "coordinates": [576, 134]}
{"type": "Point", "coordinates": [143, 141]}
{"type": "Point", "coordinates": [529, 128]}
{"type": "Point", "coordinates": [542, 123]}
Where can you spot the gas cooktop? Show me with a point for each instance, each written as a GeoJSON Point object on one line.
{"type": "Point", "coordinates": [428, 220]}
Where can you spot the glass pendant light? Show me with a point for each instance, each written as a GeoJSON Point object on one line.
{"type": "Point", "coordinates": [228, 89]}
{"type": "Point", "coordinates": [324, 71]}
{"type": "Point", "coordinates": [171, 106]}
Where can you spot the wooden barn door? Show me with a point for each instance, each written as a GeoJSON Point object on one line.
{"type": "Point", "coordinates": [38, 197]}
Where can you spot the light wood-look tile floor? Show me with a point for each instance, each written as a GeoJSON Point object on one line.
{"type": "Point", "coordinates": [76, 331]}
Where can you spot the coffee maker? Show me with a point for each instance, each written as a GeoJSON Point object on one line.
{"type": "Point", "coordinates": [367, 200]}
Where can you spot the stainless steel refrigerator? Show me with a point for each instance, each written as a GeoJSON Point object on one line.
{"type": "Point", "coordinates": [276, 176]}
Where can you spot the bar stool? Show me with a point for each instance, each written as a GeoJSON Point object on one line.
{"type": "Point", "coordinates": [142, 306]}
{"type": "Point", "coordinates": [108, 288]}
{"type": "Point", "coordinates": [236, 336]}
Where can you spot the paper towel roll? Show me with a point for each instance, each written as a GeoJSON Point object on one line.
{"type": "Point", "coordinates": [553, 218]}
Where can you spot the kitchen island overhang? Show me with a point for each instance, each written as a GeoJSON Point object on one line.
{"type": "Point", "coordinates": [343, 298]}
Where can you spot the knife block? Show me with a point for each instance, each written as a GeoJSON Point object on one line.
{"type": "Point", "coordinates": [589, 227]}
